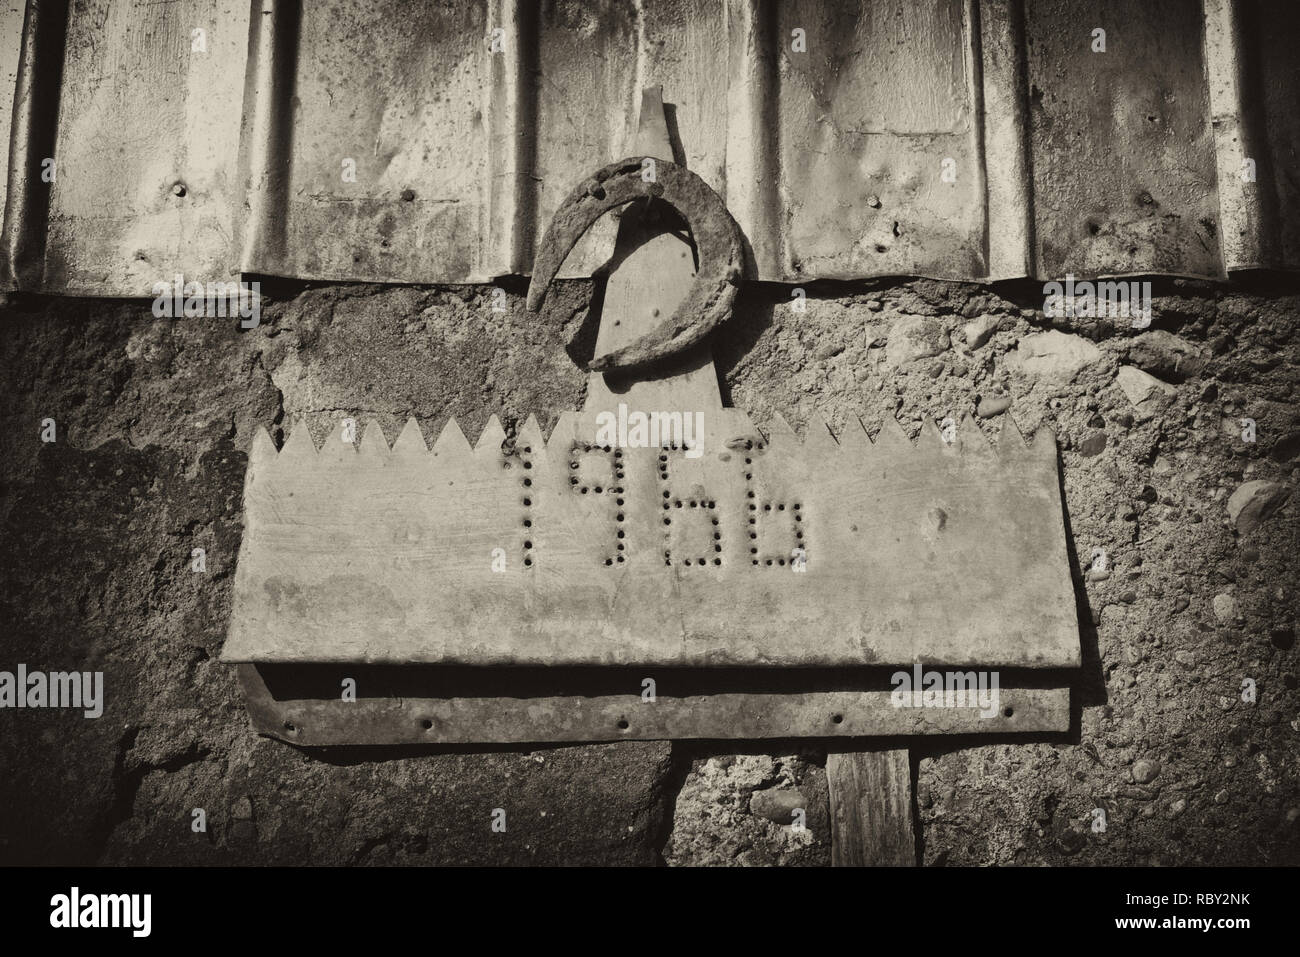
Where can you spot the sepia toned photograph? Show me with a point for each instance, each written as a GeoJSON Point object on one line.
{"type": "Point", "coordinates": [650, 433]}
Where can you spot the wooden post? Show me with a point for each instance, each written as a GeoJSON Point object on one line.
{"type": "Point", "coordinates": [871, 809]}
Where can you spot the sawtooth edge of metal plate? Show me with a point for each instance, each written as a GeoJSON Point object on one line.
{"type": "Point", "coordinates": [392, 719]}
{"type": "Point", "coordinates": [937, 552]}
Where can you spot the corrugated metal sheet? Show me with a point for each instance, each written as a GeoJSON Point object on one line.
{"type": "Point", "coordinates": [146, 145]}
{"type": "Point", "coordinates": [467, 120]}
{"type": "Point", "coordinates": [1122, 146]}
{"type": "Point", "coordinates": [11, 38]}
{"type": "Point", "coordinates": [866, 120]}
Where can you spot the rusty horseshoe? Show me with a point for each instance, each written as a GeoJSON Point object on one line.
{"type": "Point", "coordinates": [717, 243]}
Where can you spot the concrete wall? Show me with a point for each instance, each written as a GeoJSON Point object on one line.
{"type": "Point", "coordinates": [154, 417]}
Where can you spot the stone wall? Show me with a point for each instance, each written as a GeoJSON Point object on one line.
{"type": "Point", "coordinates": [1199, 590]}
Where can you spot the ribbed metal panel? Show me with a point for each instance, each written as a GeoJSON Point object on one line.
{"type": "Point", "coordinates": [827, 127]}
{"type": "Point", "coordinates": [145, 148]}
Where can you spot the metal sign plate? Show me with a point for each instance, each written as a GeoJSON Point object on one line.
{"type": "Point", "coordinates": [759, 551]}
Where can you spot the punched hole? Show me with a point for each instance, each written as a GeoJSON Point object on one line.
{"type": "Point", "coordinates": [622, 724]}
{"type": "Point", "coordinates": [837, 718]}
{"type": "Point", "coordinates": [426, 724]}
{"type": "Point", "coordinates": [1008, 711]}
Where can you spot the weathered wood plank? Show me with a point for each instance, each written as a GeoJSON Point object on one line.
{"type": "Point", "coordinates": [871, 809]}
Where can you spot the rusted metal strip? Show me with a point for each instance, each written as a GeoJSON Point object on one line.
{"type": "Point", "coordinates": [440, 714]}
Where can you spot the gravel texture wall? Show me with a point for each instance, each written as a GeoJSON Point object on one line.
{"type": "Point", "coordinates": [1196, 594]}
